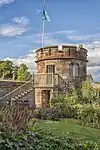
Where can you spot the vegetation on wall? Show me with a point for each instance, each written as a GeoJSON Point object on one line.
{"type": "Point", "coordinates": [89, 94]}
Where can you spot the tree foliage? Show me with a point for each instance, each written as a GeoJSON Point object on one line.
{"type": "Point", "coordinates": [89, 94]}
{"type": "Point", "coordinates": [72, 98]}
{"type": "Point", "coordinates": [23, 74]}
{"type": "Point", "coordinates": [6, 68]}
{"type": "Point", "coordinates": [90, 116]}
{"type": "Point", "coordinates": [15, 69]}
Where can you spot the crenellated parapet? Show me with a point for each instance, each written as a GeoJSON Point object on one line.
{"type": "Point", "coordinates": [61, 52]}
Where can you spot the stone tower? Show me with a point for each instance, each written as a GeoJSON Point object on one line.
{"type": "Point", "coordinates": [66, 61]}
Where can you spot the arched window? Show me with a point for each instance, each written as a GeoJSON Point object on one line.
{"type": "Point", "coordinates": [71, 69]}
{"type": "Point", "coordinates": [76, 70]}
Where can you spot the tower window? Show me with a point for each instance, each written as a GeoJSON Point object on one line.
{"type": "Point", "coordinates": [50, 68]}
{"type": "Point", "coordinates": [76, 70]}
{"type": "Point", "coordinates": [71, 69]}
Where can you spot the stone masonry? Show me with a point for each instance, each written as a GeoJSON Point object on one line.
{"type": "Point", "coordinates": [70, 62]}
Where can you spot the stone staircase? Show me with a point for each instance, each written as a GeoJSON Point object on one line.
{"type": "Point", "coordinates": [51, 81]}
{"type": "Point", "coordinates": [25, 94]}
{"type": "Point", "coordinates": [19, 95]}
{"type": "Point", "coordinates": [61, 85]}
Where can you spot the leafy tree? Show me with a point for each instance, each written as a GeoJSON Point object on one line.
{"type": "Point", "coordinates": [23, 74]}
{"type": "Point", "coordinates": [15, 69]}
{"type": "Point", "coordinates": [89, 94]}
{"type": "Point", "coordinates": [6, 68]}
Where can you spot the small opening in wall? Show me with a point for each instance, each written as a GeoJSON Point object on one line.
{"type": "Point", "coordinates": [41, 50]}
{"type": "Point", "coordinates": [46, 98]}
{"type": "Point", "coordinates": [49, 51]}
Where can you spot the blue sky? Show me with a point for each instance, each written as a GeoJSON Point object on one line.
{"type": "Point", "coordinates": [72, 22]}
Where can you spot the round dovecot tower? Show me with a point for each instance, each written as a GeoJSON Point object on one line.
{"type": "Point", "coordinates": [65, 62]}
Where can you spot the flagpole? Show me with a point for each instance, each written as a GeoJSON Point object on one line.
{"type": "Point", "coordinates": [43, 26]}
{"type": "Point", "coordinates": [43, 29]}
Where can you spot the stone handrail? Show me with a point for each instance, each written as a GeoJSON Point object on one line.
{"type": "Point", "coordinates": [61, 82]}
{"type": "Point", "coordinates": [18, 91]}
{"type": "Point", "coordinates": [43, 80]}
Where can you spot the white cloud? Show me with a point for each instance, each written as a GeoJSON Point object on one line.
{"type": "Point", "coordinates": [12, 30]}
{"type": "Point", "coordinates": [64, 32]}
{"type": "Point", "coordinates": [29, 60]}
{"type": "Point", "coordinates": [86, 38]}
{"type": "Point", "coordinates": [3, 2]}
{"type": "Point", "coordinates": [18, 26]}
{"type": "Point", "coordinates": [49, 37]}
{"type": "Point", "coordinates": [95, 71]}
{"type": "Point", "coordinates": [48, 40]}
{"type": "Point", "coordinates": [68, 32]}
{"type": "Point", "coordinates": [21, 20]}
{"type": "Point", "coordinates": [94, 59]}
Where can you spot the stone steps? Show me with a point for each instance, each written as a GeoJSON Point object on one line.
{"type": "Point", "coordinates": [19, 95]}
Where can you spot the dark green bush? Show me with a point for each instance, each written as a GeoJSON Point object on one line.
{"type": "Point", "coordinates": [47, 113]}
{"type": "Point", "coordinates": [66, 110]}
{"type": "Point", "coordinates": [56, 112]}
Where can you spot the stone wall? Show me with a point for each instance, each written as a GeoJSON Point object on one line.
{"type": "Point", "coordinates": [62, 68]}
{"type": "Point", "coordinates": [61, 59]}
{"type": "Point", "coordinates": [8, 86]}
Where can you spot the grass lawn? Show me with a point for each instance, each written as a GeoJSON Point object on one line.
{"type": "Point", "coordinates": [69, 126]}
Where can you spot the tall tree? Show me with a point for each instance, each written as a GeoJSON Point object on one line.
{"type": "Point", "coordinates": [15, 69]}
{"type": "Point", "coordinates": [6, 68]}
{"type": "Point", "coordinates": [23, 74]}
